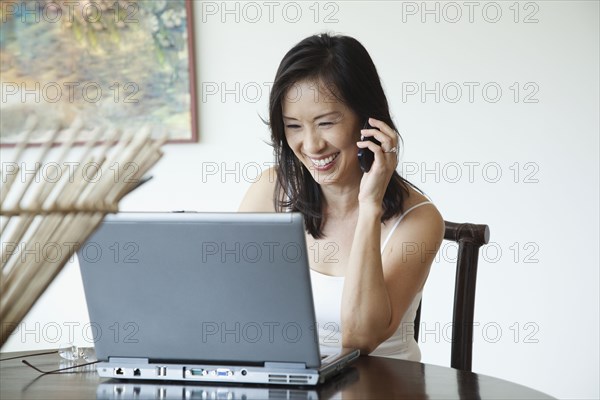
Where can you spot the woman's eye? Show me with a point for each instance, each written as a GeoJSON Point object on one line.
{"type": "Point", "coordinates": [326, 123]}
{"type": "Point", "coordinates": [292, 126]}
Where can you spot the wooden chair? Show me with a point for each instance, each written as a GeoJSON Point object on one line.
{"type": "Point", "coordinates": [470, 238]}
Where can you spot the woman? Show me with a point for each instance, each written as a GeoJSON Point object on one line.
{"type": "Point", "coordinates": [360, 226]}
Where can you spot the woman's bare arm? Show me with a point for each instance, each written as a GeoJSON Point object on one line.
{"type": "Point", "coordinates": [379, 289]}
{"type": "Point", "coordinates": [259, 197]}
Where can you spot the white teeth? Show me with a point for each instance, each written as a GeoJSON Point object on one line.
{"type": "Point", "coordinates": [324, 161]}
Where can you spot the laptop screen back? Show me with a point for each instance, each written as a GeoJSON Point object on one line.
{"type": "Point", "coordinates": [208, 287]}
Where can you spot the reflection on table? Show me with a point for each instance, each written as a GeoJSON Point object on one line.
{"type": "Point", "coordinates": [366, 378]}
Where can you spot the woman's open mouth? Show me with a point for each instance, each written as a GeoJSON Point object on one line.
{"type": "Point", "coordinates": [323, 164]}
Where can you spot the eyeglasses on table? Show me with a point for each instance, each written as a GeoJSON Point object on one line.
{"type": "Point", "coordinates": [83, 359]}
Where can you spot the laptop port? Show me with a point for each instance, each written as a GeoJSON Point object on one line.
{"type": "Point", "coordinates": [197, 371]}
{"type": "Point", "coordinates": [137, 372]}
{"type": "Point", "coordinates": [223, 372]}
{"type": "Point", "coordinates": [119, 371]}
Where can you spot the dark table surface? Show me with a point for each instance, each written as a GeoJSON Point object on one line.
{"type": "Point", "coordinates": [367, 378]}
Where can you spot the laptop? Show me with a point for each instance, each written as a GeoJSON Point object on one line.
{"type": "Point", "coordinates": [204, 297]}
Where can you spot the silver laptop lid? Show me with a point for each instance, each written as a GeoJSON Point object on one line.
{"type": "Point", "coordinates": [207, 287]}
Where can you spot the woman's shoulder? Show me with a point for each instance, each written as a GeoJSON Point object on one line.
{"type": "Point", "coordinates": [259, 196]}
{"type": "Point", "coordinates": [419, 211]}
{"type": "Point", "coordinates": [415, 199]}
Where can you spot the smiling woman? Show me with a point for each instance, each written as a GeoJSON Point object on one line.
{"type": "Point", "coordinates": [314, 118]}
{"type": "Point", "coordinates": [366, 288]}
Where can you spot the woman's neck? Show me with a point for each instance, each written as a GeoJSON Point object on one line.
{"type": "Point", "coordinates": [340, 203]}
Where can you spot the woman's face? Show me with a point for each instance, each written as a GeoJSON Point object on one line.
{"type": "Point", "coordinates": [322, 132]}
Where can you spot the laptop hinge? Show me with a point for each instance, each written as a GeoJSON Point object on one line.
{"type": "Point", "coordinates": [270, 364]}
{"type": "Point", "coordinates": [128, 360]}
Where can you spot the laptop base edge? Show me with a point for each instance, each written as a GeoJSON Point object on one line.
{"type": "Point", "coordinates": [271, 373]}
{"type": "Point", "coordinates": [208, 373]}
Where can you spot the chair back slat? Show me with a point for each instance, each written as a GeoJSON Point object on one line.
{"type": "Point", "coordinates": [470, 237]}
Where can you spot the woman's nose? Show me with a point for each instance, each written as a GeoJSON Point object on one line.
{"type": "Point", "coordinates": [313, 143]}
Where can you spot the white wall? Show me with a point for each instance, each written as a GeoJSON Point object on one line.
{"type": "Point", "coordinates": [537, 291]}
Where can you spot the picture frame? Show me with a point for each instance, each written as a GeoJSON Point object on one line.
{"type": "Point", "coordinates": [122, 65]}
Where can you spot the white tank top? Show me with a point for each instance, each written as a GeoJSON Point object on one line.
{"type": "Point", "coordinates": [327, 295]}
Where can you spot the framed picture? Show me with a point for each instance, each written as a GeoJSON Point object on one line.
{"type": "Point", "coordinates": [122, 64]}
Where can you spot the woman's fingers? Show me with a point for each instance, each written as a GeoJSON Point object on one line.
{"type": "Point", "coordinates": [374, 147]}
{"type": "Point", "coordinates": [388, 141]}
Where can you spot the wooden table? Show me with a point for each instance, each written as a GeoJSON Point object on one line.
{"type": "Point", "coordinates": [368, 378]}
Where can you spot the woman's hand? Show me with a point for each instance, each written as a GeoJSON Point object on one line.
{"type": "Point", "coordinates": [374, 183]}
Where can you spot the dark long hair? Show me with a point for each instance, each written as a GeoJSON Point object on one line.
{"type": "Point", "coordinates": [344, 66]}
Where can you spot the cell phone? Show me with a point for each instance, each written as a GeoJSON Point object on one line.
{"type": "Point", "coordinates": [366, 156]}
